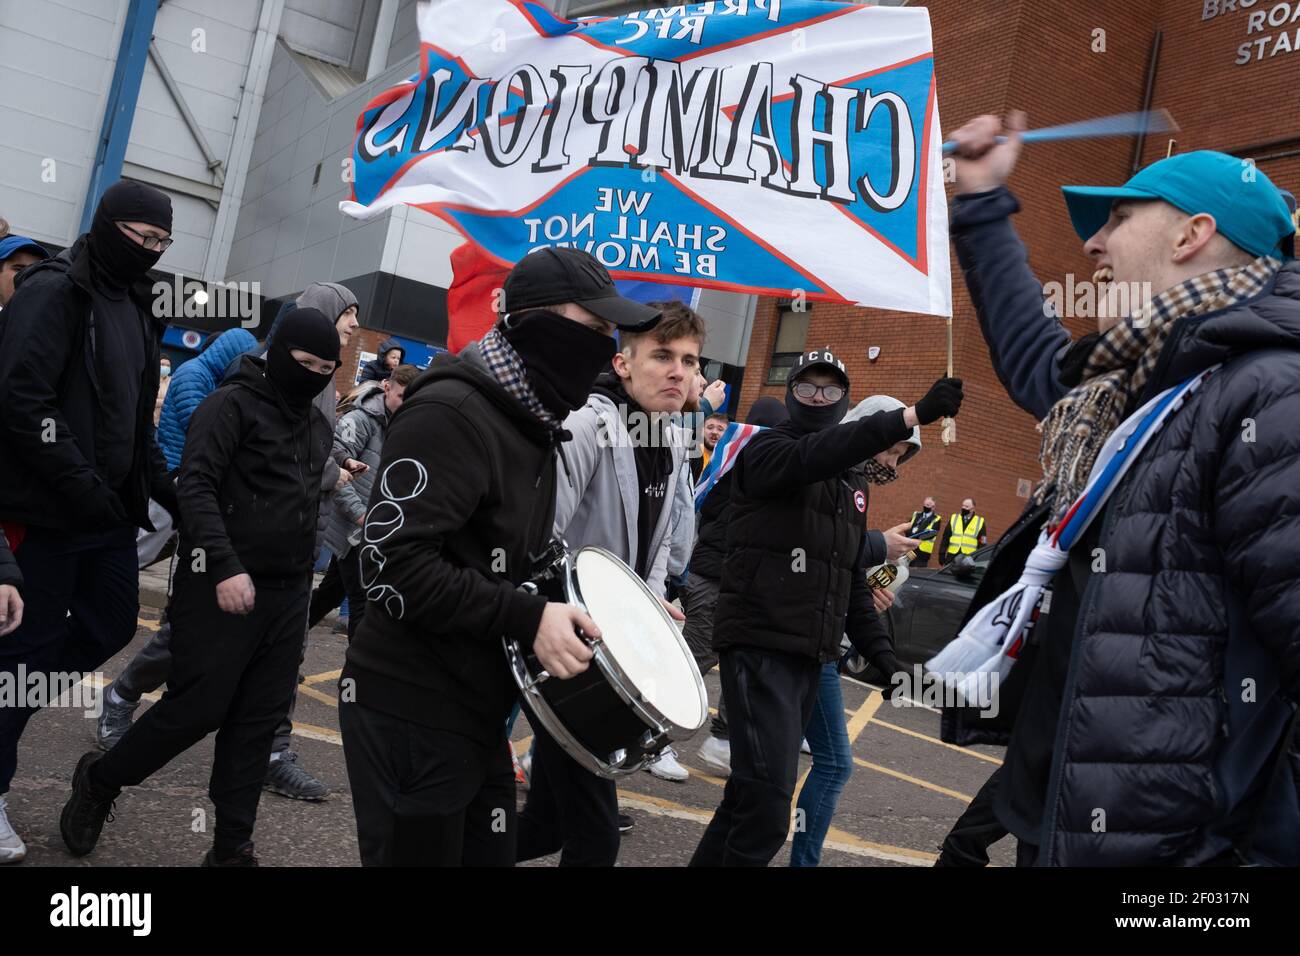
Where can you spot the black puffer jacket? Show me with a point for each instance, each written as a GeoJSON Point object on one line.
{"type": "Point", "coordinates": [797, 543]}
{"type": "Point", "coordinates": [248, 481]}
{"type": "Point", "coordinates": [1200, 592]}
{"type": "Point", "coordinates": [51, 366]}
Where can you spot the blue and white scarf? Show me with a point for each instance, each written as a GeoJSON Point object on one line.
{"type": "Point", "coordinates": [992, 640]}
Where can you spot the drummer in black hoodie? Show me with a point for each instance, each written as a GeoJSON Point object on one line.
{"type": "Point", "coordinates": [249, 477]}
{"type": "Point", "coordinates": [463, 502]}
{"type": "Point", "coordinates": [794, 581]}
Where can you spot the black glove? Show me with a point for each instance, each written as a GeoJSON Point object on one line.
{"type": "Point", "coordinates": [888, 665]}
{"type": "Point", "coordinates": [943, 400]}
{"type": "Point", "coordinates": [102, 510]}
{"type": "Point", "coordinates": [164, 492]}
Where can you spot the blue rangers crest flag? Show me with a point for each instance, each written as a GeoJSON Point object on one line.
{"type": "Point", "coordinates": [767, 146]}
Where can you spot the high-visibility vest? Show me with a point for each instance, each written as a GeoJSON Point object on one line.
{"type": "Point", "coordinates": [927, 546]}
{"type": "Point", "coordinates": [966, 539]}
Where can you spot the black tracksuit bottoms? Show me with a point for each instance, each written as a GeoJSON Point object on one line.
{"type": "Point", "coordinates": [427, 797]}
{"type": "Point", "coordinates": [569, 808]}
{"type": "Point", "coordinates": [233, 674]}
{"type": "Point", "coordinates": [770, 696]}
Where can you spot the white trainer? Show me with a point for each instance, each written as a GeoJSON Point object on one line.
{"type": "Point", "coordinates": [12, 848]}
{"type": "Point", "coordinates": [716, 755]}
{"type": "Point", "coordinates": [667, 767]}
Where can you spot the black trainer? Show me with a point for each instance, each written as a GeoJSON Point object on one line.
{"type": "Point", "coordinates": [244, 856]}
{"type": "Point", "coordinates": [625, 823]}
{"type": "Point", "coordinates": [87, 809]}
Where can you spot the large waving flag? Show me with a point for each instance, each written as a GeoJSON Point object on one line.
{"type": "Point", "coordinates": [725, 454]}
{"type": "Point", "coordinates": [771, 146]}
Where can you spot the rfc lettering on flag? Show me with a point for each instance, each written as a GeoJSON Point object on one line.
{"type": "Point", "coordinates": [756, 146]}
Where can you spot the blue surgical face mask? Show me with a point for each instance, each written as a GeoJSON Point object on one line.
{"type": "Point", "coordinates": [164, 370]}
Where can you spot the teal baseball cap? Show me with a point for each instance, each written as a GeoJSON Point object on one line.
{"type": "Point", "coordinates": [1248, 209]}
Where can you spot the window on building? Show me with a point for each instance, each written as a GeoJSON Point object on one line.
{"type": "Point", "coordinates": [791, 333]}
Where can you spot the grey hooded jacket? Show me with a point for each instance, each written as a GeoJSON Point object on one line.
{"type": "Point", "coordinates": [597, 495]}
{"type": "Point", "coordinates": [330, 299]}
{"type": "Point", "coordinates": [359, 434]}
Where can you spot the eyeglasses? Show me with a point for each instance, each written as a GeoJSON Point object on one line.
{"type": "Point", "coordinates": [149, 242]}
{"type": "Point", "coordinates": [807, 391]}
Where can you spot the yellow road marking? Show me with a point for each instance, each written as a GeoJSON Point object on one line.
{"type": "Point", "coordinates": [936, 740]}
{"type": "Point", "coordinates": [315, 694]}
{"type": "Point", "coordinates": [861, 717]}
{"type": "Point", "coordinates": [522, 744]}
{"type": "Point", "coordinates": [706, 777]}
{"type": "Point", "coordinates": [835, 839]}
{"type": "Point", "coordinates": [964, 797]}
{"type": "Point", "coordinates": [312, 732]}
{"type": "Point", "coordinates": [324, 676]}
{"type": "Point", "coordinates": [147, 624]}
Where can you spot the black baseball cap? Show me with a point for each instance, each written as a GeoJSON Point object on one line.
{"type": "Point", "coordinates": [551, 276]}
{"type": "Point", "coordinates": [819, 358]}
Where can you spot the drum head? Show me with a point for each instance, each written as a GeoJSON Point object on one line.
{"type": "Point", "coordinates": [640, 636]}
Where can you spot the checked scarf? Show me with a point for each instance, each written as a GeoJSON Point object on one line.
{"type": "Point", "coordinates": [1116, 373]}
{"type": "Point", "coordinates": [508, 369]}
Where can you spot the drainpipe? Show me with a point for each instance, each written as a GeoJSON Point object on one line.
{"type": "Point", "coordinates": [1146, 99]}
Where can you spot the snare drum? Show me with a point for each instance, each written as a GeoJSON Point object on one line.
{"type": "Point", "coordinates": [639, 692]}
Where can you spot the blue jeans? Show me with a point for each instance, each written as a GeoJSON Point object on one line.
{"type": "Point", "coordinates": [828, 739]}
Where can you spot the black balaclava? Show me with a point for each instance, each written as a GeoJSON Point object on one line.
{"type": "Point", "coordinates": [309, 330]}
{"type": "Point", "coordinates": [767, 412]}
{"type": "Point", "coordinates": [562, 357]}
{"type": "Point", "coordinates": [117, 260]}
{"type": "Point", "coordinates": [813, 418]}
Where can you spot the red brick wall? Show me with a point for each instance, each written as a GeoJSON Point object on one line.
{"type": "Point", "coordinates": [363, 340]}
{"type": "Point", "coordinates": [995, 55]}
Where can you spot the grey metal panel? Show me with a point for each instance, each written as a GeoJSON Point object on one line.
{"type": "Point", "coordinates": [212, 111]}
{"type": "Point", "coordinates": [191, 228]}
{"type": "Point", "coordinates": [283, 275]}
{"type": "Point", "coordinates": [165, 143]}
{"type": "Point", "coordinates": [326, 29]}
{"type": "Point", "coordinates": [726, 315]}
{"type": "Point", "coordinates": [38, 212]}
{"type": "Point", "coordinates": [360, 250]}
{"type": "Point", "coordinates": [93, 35]}
{"type": "Point", "coordinates": [47, 63]}
{"type": "Point", "coordinates": [55, 67]}
{"type": "Point", "coordinates": [175, 27]}
{"type": "Point", "coordinates": [406, 34]}
{"type": "Point", "coordinates": [236, 13]}
{"type": "Point", "coordinates": [42, 135]}
{"type": "Point", "coordinates": [323, 221]}
{"type": "Point", "coordinates": [310, 147]}
{"type": "Point", "coordinates": [317, 263]}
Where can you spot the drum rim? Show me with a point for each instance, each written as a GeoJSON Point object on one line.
{"type": "Point", "coordinates": [541, 708]}
{"type": "Point", "coordinates": [609, 665]}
